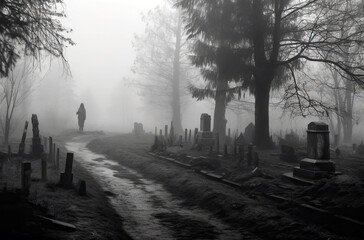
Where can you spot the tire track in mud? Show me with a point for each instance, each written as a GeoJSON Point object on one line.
{"type": "Point", "coordinates": [148, 211]}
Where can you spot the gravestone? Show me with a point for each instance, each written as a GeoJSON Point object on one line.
{"type": "Point", "coordinates": [66, 178]}
{"type": "Point", "coordinates": [288, 153]}
{"type": "Point", "coordinates": [240, 141]}
{"type": "Point", "coordinates": [171, 135]}
{"type": "Point", "coordinates": [81, 188]}
{"type": "Point", "coordinates": [205, 122]}
{"type": "Point", "coordinates": [360, 149]}
{"type": "Point", "coordinates": [205, 137]}
{"type": "Point", "coordinates": [249, 133]}
{"type": "Point", "coordinates": [37, 147]}
{"type": "Point", "coordinates": [26, 171]}
{"type": "Point", "coordinates": [138, 128]}
{"type": "Point", "coordinates": [318, 164]}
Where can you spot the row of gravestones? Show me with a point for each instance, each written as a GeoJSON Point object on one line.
{"type": "Point", "coordinates": [38, 150]}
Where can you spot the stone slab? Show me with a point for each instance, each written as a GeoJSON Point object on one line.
{"type": "Point", "coordinates": [317, 165]}
{"type": "Point", "coordinates": [309, 174]}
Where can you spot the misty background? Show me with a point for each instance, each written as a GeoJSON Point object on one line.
{"type": "Point", "coordinates": [101, 76]}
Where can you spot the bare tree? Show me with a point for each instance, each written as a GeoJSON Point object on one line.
{"type": "Point", "coordinates": [31, 27]}
{"type": "Point", "coordinates": [161, 67]}
{"type": "Point", "coordinates": [14, 91]}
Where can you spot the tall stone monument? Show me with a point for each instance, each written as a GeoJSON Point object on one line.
{"type": "Point", "coordinates": [37, 147]}
{"type": "Point", "coordinates": [317, 165]}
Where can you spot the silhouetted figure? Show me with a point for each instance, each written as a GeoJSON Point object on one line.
{"type": "Point", "coordinates": [81, 117]}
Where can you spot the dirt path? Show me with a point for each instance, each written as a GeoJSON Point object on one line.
{"type": "Point", "coordinates": [247, 211]}
{"type": "Point", "coordinates": [148, 210]}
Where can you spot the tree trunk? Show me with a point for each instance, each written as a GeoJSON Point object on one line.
{"type": "Point", "coordinates": [219, 113]}
{"type": "Point", "coordinates": [262, 90]}
{"type": "Point", "coordinates": [176, 107]}
{"type": "Point", "coordinates": [348, 129]}
{"type": "Point", "coordinates": [7, 129]}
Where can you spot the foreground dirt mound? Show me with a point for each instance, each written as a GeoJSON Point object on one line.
{"type": "Point", "coordinates": [18, 218]}
{"type": "Point", "coordinates": [341, 194]}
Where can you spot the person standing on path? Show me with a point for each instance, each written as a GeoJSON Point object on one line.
{"type": "Point", "coordinates": [81, 117]}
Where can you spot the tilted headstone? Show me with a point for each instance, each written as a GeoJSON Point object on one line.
{"type": "Point", "coordinates": [66, 178]}
{"type": "Point", "coordinates": [37, 147]}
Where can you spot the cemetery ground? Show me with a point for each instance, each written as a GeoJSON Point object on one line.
{"type": "Point", "coordinates": [32, 217]}
{"type": "Point", "coordinates": [260, 204]}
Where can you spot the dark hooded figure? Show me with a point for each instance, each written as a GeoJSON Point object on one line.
{"type": "Point", "coordinates": [81, 116]}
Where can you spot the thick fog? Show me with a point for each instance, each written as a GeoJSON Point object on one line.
{"type": "Point", "coordinates": [99, 74]}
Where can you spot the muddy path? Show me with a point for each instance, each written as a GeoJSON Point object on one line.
{"type": "Point", "coordinates": [147, 209]}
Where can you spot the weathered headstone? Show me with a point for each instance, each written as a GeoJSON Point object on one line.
{"type": "Point", "coordinates": [171, 135]}
{"type": "Point", "coordinates": [26, 170]}
{"type": "Point", "coordinates": [155, 131]}
{"type": "Point", "coordinates": [318, 163]}
{"type": "Point", "coordinates": [195, 135]}
{"type": "Point", "coordinates": [37, 147]}
{"type": "Point", "coordinates": [205, 122]}
{"type": "Point", "coordinates": [82, 188]}
{"type": "Point", "coordinates": [22, 143]}
{"type": "Point", "coordinates": [66, 178]}
{"type": "Point", "coordinates": [205, 136]}
{"type": "Point", "coordinates": [166, 131]}
{"type": "Point", "coordinates": [249, 133]}
{"type": "Point", "coordinates": [240, 141]}
{"type": "Point", "coordinates": [186, 135]}
{"type": "Point", "coordinates": [189, 135]}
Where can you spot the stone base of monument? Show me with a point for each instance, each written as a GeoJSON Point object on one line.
{"type": "Point", "coordinates": [206, 139]}
{"type": "Point", "coordinates": [312, 169]}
